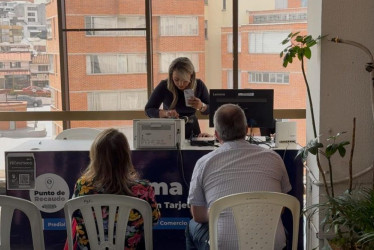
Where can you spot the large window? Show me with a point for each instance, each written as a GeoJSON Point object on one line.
{"type": "Point", "coordinates": [304, 3]}
{"type": "Point", "coordinates": [167, 58]}
{"type": "Point", "coordinates": [266, 42]}
{"type": "Point", "coordinates": [112, 22]}
{"type": "Point", "coordinates": [51, 61]}
{"type": "Point", "coordinates": [115, 64]}
{"type": "Point", "coordinates": [48, 26]}
{"type": "Point", "coordinates": [42, 67]}
{"type": "Point", "coordinates": [179, 26]}
{"type": "Point", "coordinates": [281, 4]}
{"type": "Point", "coordinates": [14, 65]}
{"type": "Point", "coordinates": [269, 77]}
{"type": "Point", "coordinates": [280, 17]}
{"type": "Point", "coordinates": [117, 100]}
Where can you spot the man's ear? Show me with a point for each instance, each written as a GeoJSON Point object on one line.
{"type": "Point", "coordinates": [246, 130]}
{"type": "Point", "coordinates": [216, 135]}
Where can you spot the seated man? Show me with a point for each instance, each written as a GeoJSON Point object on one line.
{"type": "Point", "coordinates": [235, 167]}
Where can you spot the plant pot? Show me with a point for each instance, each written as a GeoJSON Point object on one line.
{"type": "Point", "coordinates": [334, 246]}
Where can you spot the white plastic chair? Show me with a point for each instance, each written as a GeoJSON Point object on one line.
{"type": "Point", "coordinates": [255, 213]}
{"type": "Point", "coordinates": [8, 204]}
{"type": "Point", "coordinates": [78, 134]}
{"type": "Point", "coordinates": [89, 203]}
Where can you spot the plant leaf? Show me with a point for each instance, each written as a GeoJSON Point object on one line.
{"type": "Point", "coordinates": [285, 41]}
{"type": "Point", "coordinates": [302, 153]}
{"type": "Point", "coordinates": [313, 146]}
{"type": "Point", "coordinates": [299, 39]}
{"type": "Point", "coordinates": [307, 52]}
{"type": "Point", "coordinates": [300, 55]}
{"type": "Point", "coordinates": [341, 148]}
{"type": "Point", "coordinates": [331, 149]}
{"type": "Point", "coordinates": [308, 39]}
{"type": "Point", "coordinates": [311, 43]}
{"type": "Point", "coordinates": [295, 34]}
{"type": "Point", "coordinates": [341, 151]}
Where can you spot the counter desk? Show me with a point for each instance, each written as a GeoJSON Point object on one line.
{"type": "Point", "coordinates": [45, 171]}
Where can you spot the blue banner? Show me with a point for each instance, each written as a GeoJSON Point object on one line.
{"type": "Point", "coordinates": [54, 224]}
{"type": "Point", "coordinates": [172, 223]}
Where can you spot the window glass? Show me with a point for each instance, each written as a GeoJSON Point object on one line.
{"type": "Point", "coordinates": [179, 26]}
{"type": "Point", "coordinates": [131, 22]}
{"type": "Point", "coordinates": [115, 64]}
{"type": "Point", "coordinates": [116, 100]}
{"type": "Point", "coordinates": [281, 4]}
{"type": "Point", "coordinates": [101, 23]}
{"type": "Point", "coordinates": [266, 42]}
{"type": "Point", "coordinates": [49, 28]}
{"type": "Point", "coordinates": [167, 58]}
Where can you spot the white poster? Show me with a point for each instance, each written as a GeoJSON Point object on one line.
{"type": "Point", "coordinates": [50, 194]}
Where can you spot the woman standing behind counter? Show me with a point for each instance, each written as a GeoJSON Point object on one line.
{"type": "Point", "coordinates": [170, 93]}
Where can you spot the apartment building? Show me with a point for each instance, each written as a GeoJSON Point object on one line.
{"type": "Point", "coordinates": [15, 69]}
{"type": "Point", "coordinates": [39, 71]}
{"type": "Point", "coordinates": [10, 33]}
{"type": "Point", "coordinates": [30, 13]}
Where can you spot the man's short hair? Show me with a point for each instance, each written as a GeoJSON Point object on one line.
{"type": "Point", "coordinates": [230, 122]}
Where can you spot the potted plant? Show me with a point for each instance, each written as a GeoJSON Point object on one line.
{"type": "Point", "coordinates": [346, 214]}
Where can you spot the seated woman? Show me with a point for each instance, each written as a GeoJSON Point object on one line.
{"type": "Point", "coordinates": [111, 172]}
{"type": "Point", "coordinates": [170, 92]}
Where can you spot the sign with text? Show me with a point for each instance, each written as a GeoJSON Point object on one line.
{"type": "Point", "coordinates": [50, 194]}
{"type": "Point", "coordinates": [20, 171]}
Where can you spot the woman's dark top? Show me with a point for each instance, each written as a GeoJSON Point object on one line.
{"type": "Point", "coordinates": [162, 95]}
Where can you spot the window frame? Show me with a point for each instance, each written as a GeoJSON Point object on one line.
{"type": "Point", "coordinates": [253, 77]}
{"type": "Point", "coordinates": [15, 65]}
{"type": "Point", "coordinates": [175, 28]}
{"type": "Point", "coordinates": [118, 57]}
{"type": "Point", "coordinates": [117, 30]}
{"type": "Point", "coordinates": [251, 50]}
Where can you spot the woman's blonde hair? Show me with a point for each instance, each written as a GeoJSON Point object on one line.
{"type": "Point", "coordinates": [111, 167]}
{"type": "Point", "coordinates": [184, 67]}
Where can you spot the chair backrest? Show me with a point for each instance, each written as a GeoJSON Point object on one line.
{"type": "Point", "coordinates": [8, 204]}
{"type": "Point", "coordinates": [255, 214]}
{"type": "Point", "coordinates": [120, 204]}
{"type": "Point", "coordinates": [78, 134]}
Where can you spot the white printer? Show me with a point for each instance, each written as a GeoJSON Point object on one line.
{"type": "Point", "coordinates": [158, 133]}
{"type": "Point", "coordinates": [285, 133]}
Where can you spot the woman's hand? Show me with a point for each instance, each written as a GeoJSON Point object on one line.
{"type": "Point", "coordinates": [195, 103]}
{"type": "Point", "coordinates": [204, 135]}
{"type": "Point", "coordinates": [169, 113]}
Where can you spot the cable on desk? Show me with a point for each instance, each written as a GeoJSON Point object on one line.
{"type": "Point", "coordinates": [285, 150]}
{"type": "Point", "coordinates": [255, 141]}
{"type": "Point", "coordinates": [181, 166]}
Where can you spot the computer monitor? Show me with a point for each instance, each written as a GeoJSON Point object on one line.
{"type": "Point", "coordinates": [257, 104]}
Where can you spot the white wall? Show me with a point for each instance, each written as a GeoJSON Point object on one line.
{"type": "Point", "coordinates": [340, 84]}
